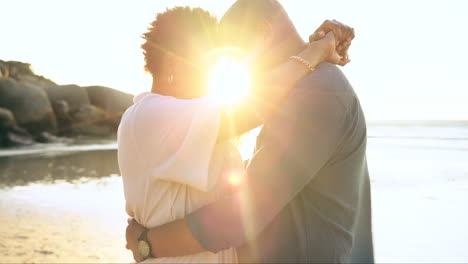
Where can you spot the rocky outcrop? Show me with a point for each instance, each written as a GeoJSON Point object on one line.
{"type": "Point", "coordinates": [23, 73]}
{"type": "Point", "coordinates": [35, 109]}
{"type": "Point", "coordinates": [29, 105]}
{"type": "Point", "coordinates": [91, 121]}
{"type": "Point", "coordinates": [3, 70]}
{"type": "Point", "coordinates": [6, 118]}
{"type": "Point", "coordinates": [113, 102]}
{"type": "Point", "coordinates": [74, 95]}
{"type": "Point", "coordinates": [10, 133]}
{"type": "Point", "coordinates": [63, 116]}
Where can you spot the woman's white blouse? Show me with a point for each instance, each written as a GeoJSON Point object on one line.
{"type": "Point", "coordinates": [170, 162]}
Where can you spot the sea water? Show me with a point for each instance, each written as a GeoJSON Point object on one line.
{"type": "Point", "coordinates": [419, 177]}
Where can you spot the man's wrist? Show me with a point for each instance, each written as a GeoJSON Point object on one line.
{"type": "Point", "coordinates": [144, 246]}
{"type": "Point", "coordinates": [151, 237]}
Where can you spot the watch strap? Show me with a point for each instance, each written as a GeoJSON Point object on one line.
{"type": "Point", "coordinates": [144, 237]}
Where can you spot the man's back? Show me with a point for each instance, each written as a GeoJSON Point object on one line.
{"type": "Point", "coordinates": [307, 194]}
{"type": "Point", "coordinates": [319, 136]}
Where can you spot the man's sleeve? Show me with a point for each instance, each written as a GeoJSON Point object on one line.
{"type": "Point", "coordinates": [297, 144]}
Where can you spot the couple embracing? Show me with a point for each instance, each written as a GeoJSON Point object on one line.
{"type": "Point", "coordinates": [304, 196]}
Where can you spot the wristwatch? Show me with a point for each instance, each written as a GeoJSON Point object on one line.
{"type": "Point", "coordinates": [144, 247]}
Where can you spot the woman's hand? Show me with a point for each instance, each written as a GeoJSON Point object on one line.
{"type": "Point", "coordinates": [330, 50]}
{"type": "Point", "coordinates": [343, 35]}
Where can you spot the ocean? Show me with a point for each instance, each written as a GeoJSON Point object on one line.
{"type": "Point", "coordinates": [419, 179]}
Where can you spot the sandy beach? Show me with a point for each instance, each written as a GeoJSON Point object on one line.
{"type": "Point", "coordinates": [29, 236]}
{"type": "Point", "coordinates": [48, 231]}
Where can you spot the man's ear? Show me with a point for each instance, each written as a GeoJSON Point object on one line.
{"type": "Point", "coordinates": [265, 30]}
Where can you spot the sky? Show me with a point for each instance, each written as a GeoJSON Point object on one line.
{"type": "Point", "coordinates": [408, 58]}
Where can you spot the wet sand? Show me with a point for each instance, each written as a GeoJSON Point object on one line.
{"type": "Point", "coordinates": [62, 204]}
{"type": "Point", "coordinates": [28, 236]}
{"type": "Point", "coordinates": [31, 232]}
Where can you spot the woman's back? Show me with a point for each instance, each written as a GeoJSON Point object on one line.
{"type": "Point", "coordinates": [169, 168]}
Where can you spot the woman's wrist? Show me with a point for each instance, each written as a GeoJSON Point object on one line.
{"type": "Point", "coordinates": [314, 54]}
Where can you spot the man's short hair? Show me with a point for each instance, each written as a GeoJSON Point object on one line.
{"type": "Point", "coordinates": [177, 31]}
{"type": "Point", "coordinates": [244, 16]}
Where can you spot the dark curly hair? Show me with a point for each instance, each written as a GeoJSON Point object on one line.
{"type": "Point", "coordinates": [176, 32]}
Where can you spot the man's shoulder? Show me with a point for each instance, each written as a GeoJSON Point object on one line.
{"type": "Point", "coordinates": [327, 81]}
{"type": "Point", "coordinates": [326, 77]}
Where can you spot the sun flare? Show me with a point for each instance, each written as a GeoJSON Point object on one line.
{"type": "Point", "coordinates": [230, 81]}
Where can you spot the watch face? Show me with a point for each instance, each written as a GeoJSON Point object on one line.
{"type": "Point", "coordinates": [143, 248]}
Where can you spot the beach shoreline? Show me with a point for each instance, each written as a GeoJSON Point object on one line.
{"type": "Point", "coordinates": [48, 231]}
{"type": "Point", "coordinates": [28, 235]}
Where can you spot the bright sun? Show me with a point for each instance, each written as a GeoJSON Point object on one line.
{"type": "Point", "coordinates": [230, 81]}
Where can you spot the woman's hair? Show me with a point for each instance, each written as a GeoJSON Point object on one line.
{"type": "Point", "coordinates": [175, 32]}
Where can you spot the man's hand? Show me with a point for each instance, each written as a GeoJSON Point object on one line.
{"type": "Point", "coordinates": [132, 234]}
{"type": "Point", "coordinates": [169, 240]}
{"type": "Point", "coordinates": [343, 36]}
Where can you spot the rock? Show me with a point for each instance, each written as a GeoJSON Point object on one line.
{"type": "Point", "coordinates": [3, 69]}
{"type": "Point", "coordinates": [113, 102]}
{"type": "Point", "coordinates": [76, 116]}
{"type": "Point", "coordinates": [10, 134]}
{"type": "Point", "coordinates": [89, 114]}
{"type": "Point", "coordinates": [61, 109]}
{"type": "Point", "coordinates": [74, 95]}
{"type": "Point", "coordinates": [18, 69]}
{"type": "Point", "coordinates": [91, 121]}
{"type": "Point", "coordinates": [17, 137]}
{"type": "Point", "coordinates": [23, 73]}
{"type": "Point", "coordinates": [46, 137]}
{"type": "Point", "coordinates": [13, 136]}
{"type": "Point", "coordinates": [94, 131]}
{"type": "Point", "coordinates": [88, 120]}
{"type": "Point", "coordinates": [29, 105]}
{"type": "Point", "coordinates": [35, 81]}
{"type": "Point", "coordinates": [63, 116]}
{"type": "Point", "coordinates": [6, 118]}
{"type": "Point", "coordinates": [35, 108]}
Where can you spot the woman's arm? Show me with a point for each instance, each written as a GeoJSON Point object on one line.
{"type": "Point", "coordinates": [240, 118]}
